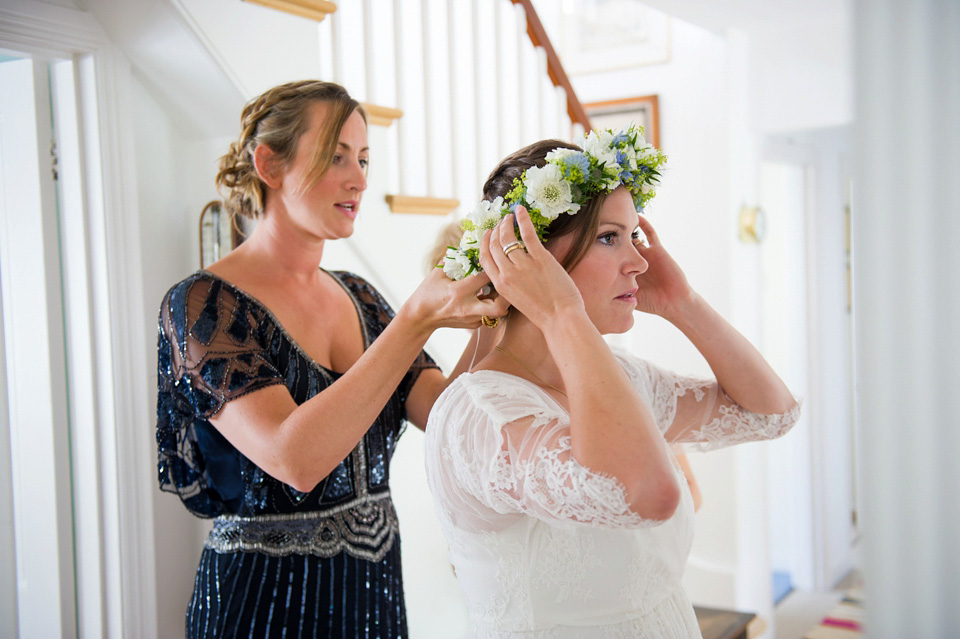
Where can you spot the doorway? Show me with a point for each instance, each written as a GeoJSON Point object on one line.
{"type": "Point", "coordinates": [36, 394]}
{"type": "Point", "coordinates": [807, 336]}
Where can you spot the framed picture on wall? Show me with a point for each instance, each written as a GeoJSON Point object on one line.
{"type": "Point", "coordinates": [617, 114]}
{"type": "Point", "coordinates": [605, 35]}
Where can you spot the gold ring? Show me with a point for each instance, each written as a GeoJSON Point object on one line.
{"type": "Point", "coordinates": [513, 246]}
{"type": "Point", "coordinates": [489, 322]}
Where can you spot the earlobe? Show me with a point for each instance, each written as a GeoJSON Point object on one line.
{"type": "Point", "coordinates": [263, 162]}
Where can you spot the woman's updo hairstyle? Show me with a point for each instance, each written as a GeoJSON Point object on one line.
{"type": "Point", "coordinates": [277, 118]}
{"type": "Point", "coordinates": [583, 225]}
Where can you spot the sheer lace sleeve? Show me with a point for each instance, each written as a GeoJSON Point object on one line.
{"type": "Point", "coordinates": [504, 445]}
{"type": "Point", "coordinates": [211, 348]}
{"type": "Point", "coordinates": [695, 410]}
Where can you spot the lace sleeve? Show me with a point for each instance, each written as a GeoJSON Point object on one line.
{"type": "Point", "coordinates": [505, 446]}
{"type": "Point", "coordinates": [210, 349]}
{"type": "Point", "coordinates": [695, 410]}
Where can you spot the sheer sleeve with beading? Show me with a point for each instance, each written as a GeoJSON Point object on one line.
{"type": "Point", "coordinates": [211, 348]}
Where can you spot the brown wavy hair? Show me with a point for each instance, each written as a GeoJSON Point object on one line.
{"type": "Point", "coordinates": [583, 226]}
{"type": "Point", "coordinates": [278, 118]}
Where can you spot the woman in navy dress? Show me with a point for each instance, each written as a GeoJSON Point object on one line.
{"type": "Point", "coordinates": [283, 387]}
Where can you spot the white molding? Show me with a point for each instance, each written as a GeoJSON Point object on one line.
{"type": "Point", "coordinates": [79, 320]}
{"type": "Point", "coordinates": [48, 30]}
{"type": "Point", "coordinates": [36, 360]}
{"type": "Point", "coordinates": [125, 444]}
{"type": "Point", "coordinates": [134, 480]}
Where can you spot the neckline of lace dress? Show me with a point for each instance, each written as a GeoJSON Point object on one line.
{"type": "Point", "coordinates": [525, 381]}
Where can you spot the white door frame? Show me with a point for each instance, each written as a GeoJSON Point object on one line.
{"type": "Point", "coordinates": [112, 439]}
{"type": "Point", "coordinates": [828, 405]}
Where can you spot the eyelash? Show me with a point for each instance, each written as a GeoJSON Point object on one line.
{"type": "Point", "coordinates": [364, 162]}
{"type": "Point", "coordinates": [609, 239]}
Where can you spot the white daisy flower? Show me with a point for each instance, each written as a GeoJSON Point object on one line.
{"type": "Point", "coordinates": [486, 214]}
{"type": "Point", "coordinates": [548, 192]}
{"type": "Point", "coordinates": [559, 154]}
{"type": "Point", "coordinates": [471, 239]}
{"type": "Point", "coordinates": [456, 265]}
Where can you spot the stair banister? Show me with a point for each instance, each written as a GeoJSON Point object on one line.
{"type": "Point", "coordinates": [538, 35]}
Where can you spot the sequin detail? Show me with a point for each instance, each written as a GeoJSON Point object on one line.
{"type": "Point", "coordinates": [216, 343]}
{"type": "Point", "coordinates": [278, 562]}
{"type": "Point", "coordinates": [365, 528]}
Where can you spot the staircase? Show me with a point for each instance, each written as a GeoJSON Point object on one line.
{"type": "Point", "coordinates": [450, 89]}
{"type": "Point", "coordinates": [465, 83]}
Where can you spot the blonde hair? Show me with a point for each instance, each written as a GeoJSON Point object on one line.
{"type": "Point", "coordinates": [278, 118]}
{"type": "Point", "coordinates": [448, 236]}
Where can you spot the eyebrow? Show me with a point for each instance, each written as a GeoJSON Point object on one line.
{"type": "Point", "coordinates": [616, 224]}
{"type": "Point", "coordinates": [347, 146]}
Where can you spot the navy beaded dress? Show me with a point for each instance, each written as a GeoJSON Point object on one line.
{"type": "Point", "coordinates": [278, 562]}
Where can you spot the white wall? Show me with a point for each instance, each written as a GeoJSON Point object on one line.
{"type": "Point", "coordinates": [168, 223]}
{"type": "Point", "coordinates": [801, 75]}
{"type": "Point", "coordinates": [281, 48]}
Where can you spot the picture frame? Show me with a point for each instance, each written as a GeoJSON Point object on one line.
{"type": "Point", "coordinates": [608, 35]}
{"type": "Point", "coordinates": [220, 232]}
{"type": "Point", "coordinates": [617, 114]}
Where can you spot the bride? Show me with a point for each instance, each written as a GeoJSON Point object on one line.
{"type": "Point", "coordinates": [550, 461]}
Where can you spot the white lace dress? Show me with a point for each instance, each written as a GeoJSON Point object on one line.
{"type": "Point", "coordinates": [543, 547]}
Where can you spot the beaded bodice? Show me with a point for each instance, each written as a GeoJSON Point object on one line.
{"type": "Point", "coordinates": [216, 343]}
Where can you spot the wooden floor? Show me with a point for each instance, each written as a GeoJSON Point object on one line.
{"type": "Point", "coordinates": [799, 611]}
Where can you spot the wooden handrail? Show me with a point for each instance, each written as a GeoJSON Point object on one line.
{"type": "Point", "coordinates": [538, 36]}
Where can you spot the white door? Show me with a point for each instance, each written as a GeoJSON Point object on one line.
{"type": "Point", "coordinates": [40, 506]}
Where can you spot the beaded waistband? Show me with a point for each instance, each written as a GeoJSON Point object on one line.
{"type": "Point", "coordinates": [364, 528]}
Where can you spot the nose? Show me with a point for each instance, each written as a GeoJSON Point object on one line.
{"type": "Point", "coordinates": [357, 180]}
{"type": "Point", "coordinates": [635, 263]}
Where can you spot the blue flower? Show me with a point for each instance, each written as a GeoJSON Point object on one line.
{"type": "Point", "coordinates": [576, 166]}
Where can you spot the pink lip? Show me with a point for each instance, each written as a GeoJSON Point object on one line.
{"type": "Point", "coordinates": [628, 296]}
{"type": "Point", "coordinates": [350, 208]}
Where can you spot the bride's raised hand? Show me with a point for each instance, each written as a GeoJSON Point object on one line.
{"type": "Point", "coordinates": [663, 286]}
{"type": "Point", "coordinates": [527, 275]}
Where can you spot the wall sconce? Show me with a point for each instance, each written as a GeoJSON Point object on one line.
{"type": "Point", "coordinates": [753, 224]}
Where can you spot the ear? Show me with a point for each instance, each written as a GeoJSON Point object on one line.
{"type": "Point", "coordinates": [263, 162]}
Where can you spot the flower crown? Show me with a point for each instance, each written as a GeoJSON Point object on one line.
{"type": "Point", "coordinates": [565, 183]}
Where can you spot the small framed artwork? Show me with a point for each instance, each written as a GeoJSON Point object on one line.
{"type": "Point", "coordinates": [618, 114]}
{"type": "Point", "coordinates": [606, 35]}
{"type": "Point", "coordinates": [220, 232]}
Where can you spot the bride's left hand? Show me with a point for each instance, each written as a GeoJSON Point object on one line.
{"type": "Point", "coordinates": [662, 287]}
